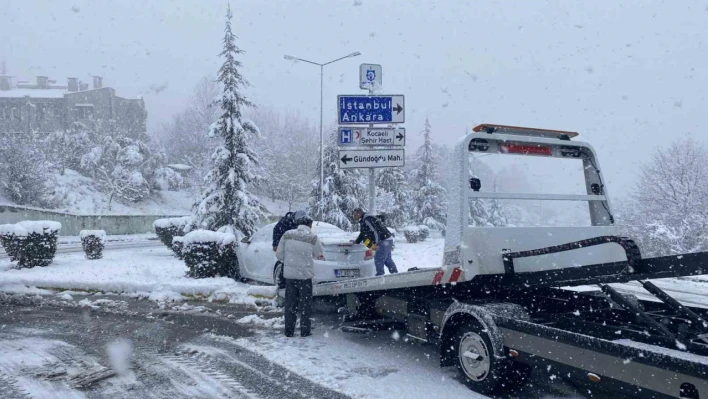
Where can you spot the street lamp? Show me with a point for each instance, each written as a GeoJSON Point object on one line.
{"type": "Point", "coordinates": [291, 58]}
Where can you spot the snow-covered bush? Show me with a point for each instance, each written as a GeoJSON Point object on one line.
{"type": "Point", "coordinates": [412, 234]}
{"type": "Point", "coordinates": [93, 242]}
{"type": "Point", "coordinates": [209, 254]}
{"type": "Point", "coordinates": [178, 246]}
{"type": "Point", "coordinates": [36, 242]}
{"type": "Point", "coordinates": [168, 228]}
{"type": "Point", "coordinates": [168, 179]}
{"type": "Point", "coordinates": [10, 241]}
{"type": "Point", "coordinates": [423, 232]}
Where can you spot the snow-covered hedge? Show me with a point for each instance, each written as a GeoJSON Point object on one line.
{"type": "Point", "coordinates": [31, 243]}
{"type": "Point", "coordinates": [416, 233]}
{"type": "Point", "coordinates": [209, 254]}
{"type": "Point", "coordinates": [168, 228]}
{"type": "Point", "coordinates": [10, 241]}
{"type": "Point", "coordinates": [412, 233]}
{"type": "Point", "coordinates": [423, 232]}
{"type": "Point", "coordinates": [93, 242]}
{"type": "Point", "coordinates": [178, 246]}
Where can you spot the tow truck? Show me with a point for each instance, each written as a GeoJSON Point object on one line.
{"type": "Point", "coordinates": [501, 304]}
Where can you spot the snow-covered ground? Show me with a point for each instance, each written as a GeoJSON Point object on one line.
{"type": "Point", "coordinates": [155, 273]}
{"type": "Point", "coordinates": [354, 364]}
{"type": "Point", "coordinates": [151, 272]}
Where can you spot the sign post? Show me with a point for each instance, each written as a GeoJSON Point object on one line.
{"type": "Point", "coordinates": [370, 110]}
{"type": "Point", "coordinates": [362, 110]}
{"type": "Point", "coordinates": [384, 136]}
{"type": "Point", "coordinates": [374, 158]}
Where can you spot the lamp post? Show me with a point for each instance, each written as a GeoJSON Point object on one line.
{"type": "Point", "coordinates": [291, 58]}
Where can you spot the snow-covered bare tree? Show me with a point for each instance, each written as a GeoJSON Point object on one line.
{"type": "Point", "coordinates": [24, 170]}
{"type": "Point", "coordinates": [288, 153]}
{"type": "Point", "coordinates": [669, 212]}
{"type": "Point", "coordinates": [123, 168]}
{"type": "Point", "coordinates": [429, 203]}
{"type": "Point", "coordinates": [226, 200]}
{"type": "Point", "coordinates": [343, 189]}
{"type": "Point", "coordinates": [66, 147]}
{"type": "Point", "coordinates": [182, 138]}
{"type": "Point", "coordinates": [393, 196]}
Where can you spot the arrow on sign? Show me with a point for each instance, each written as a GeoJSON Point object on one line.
{"type": "Point", "coordinates": [345, 159]}
{"type": "Point", "coordinates": [398, 108]}
{"type": "Point", "coordinates": [400, 136]}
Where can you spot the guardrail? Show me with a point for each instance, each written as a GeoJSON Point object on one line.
{"type": "Point", "coordinates": [72, 224]}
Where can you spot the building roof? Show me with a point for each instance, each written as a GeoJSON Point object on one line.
{"type": "Point", "coordinates": [33, 93]}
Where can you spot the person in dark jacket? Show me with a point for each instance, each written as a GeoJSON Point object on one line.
{"type": "Point", "coordinates": [377, 237]}
{"type": "Point", "coordinates": [287, 222]}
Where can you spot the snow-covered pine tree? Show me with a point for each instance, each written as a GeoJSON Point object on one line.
{"type": "Point", "coordinates": [429, 203]}
{"type": "Point", "coordinates": [343, 189]}
{"type": "Point", "coordinates": [393, 190]}
{"type": "Point", "coordinates": [226, 200]}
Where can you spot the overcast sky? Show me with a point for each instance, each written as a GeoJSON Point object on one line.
{"type": "Point", "coordinates": [629, 76]}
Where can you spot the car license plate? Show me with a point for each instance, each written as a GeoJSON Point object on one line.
{"type": "Point", "coordinates": [346, 273]}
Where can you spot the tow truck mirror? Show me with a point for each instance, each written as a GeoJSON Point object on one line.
{"type": "Point", "coordinates": [475, 184]}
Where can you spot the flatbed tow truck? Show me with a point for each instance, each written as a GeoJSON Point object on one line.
{"type": "Point", "coordinates": [500, 307]}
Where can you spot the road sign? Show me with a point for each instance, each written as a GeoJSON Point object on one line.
{"type": "Point", "coordinates": [389, 158]}
{"type": "Point", "coordinates": [349, 135]}
{"type": "Point", "coordinates": [370, 76]}
{"type": "Point", "coordinates": [356, 109]}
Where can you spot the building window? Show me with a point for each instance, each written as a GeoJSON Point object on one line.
{"type": "Point", "coordinates": [15, 112]}
{"type": "Point", "coordinates": [2, 113]}
{"type": "Point", "coordinates": [84, 112]}
{"type": "Point", "coordinates": [40, 113]}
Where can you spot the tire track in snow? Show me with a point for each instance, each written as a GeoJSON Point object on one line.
{"type": "Point", "coordinates": [10, 388]}
{"type": "Point", "coordinates": [199, 379]}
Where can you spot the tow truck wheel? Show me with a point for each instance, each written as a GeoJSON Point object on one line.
{"type": "Point", "coordinates": [481, 368]}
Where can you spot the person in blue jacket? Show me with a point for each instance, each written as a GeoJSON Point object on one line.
{"type": "Point", "coordinates": [287, 222]}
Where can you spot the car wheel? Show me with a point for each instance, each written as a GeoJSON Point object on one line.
{"type": "Point", "coordinates": [278, 278]}
{"type": "Point", "coordinates": [235, 270]}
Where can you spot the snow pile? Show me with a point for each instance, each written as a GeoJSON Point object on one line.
{"type": "Point", "coordinates": [207, 236]}
{"type": "Point", "coordinates": [172, 222]}
{"type": "Point", "coordinates": [37, 227]}
{"type": "Point", "coordinates": [100, 234]}
{"type": "Point", "coordinates": [275, 322]}
{"type": "Point", "coordinates": [148, 272]}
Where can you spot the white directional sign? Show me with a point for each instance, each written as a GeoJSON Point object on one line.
{"type": "Point", "coordinates": [370, 76]}
{"type": "Point", "coordinates": [372, 136]}
{"type": "Point", "coordinates": [349, 159]}
{"type": "Point", "coordinates": [357, 110]}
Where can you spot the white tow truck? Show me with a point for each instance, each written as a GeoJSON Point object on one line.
{"type": "Point", "coordinates": [499, 307]}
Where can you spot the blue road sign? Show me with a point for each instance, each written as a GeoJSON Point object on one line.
{"type": "Point", "coordinates": [345, 136]}
{"type": "Point", "coordinates": [356, 109]}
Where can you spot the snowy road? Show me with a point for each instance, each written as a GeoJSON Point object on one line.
{"type": "Point", "coordinates": [51, 348]}
{"type": "Point", "coordinates": [70, 246]}
{"type": "Point", "coordinates": [70, 352]}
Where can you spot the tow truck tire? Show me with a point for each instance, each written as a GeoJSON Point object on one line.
{"type": "Point", "coordinates": [481, 368]}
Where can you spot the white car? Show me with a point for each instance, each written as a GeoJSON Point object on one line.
{"type": "Point", "coordinates": [342, 259]}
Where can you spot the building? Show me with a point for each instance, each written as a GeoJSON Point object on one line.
{"type": "Point", "coordinates": [45, 106]}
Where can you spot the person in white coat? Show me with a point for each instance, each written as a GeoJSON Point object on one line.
{"type": "Point", "coordinates": [297, 250]}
